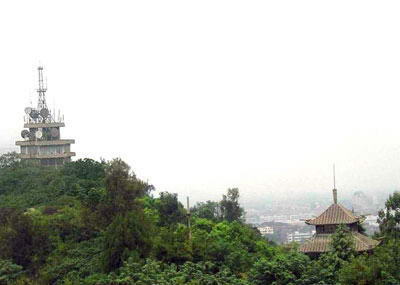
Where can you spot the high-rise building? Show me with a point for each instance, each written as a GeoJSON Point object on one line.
{"type": "Point", "coordinates": [42, 138]}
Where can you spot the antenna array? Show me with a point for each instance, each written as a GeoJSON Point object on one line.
{"type": "Point", "coordinates": [41, 90]}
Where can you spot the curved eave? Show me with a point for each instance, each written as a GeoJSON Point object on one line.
{"type": "Point", "coordinates": [321, 243]}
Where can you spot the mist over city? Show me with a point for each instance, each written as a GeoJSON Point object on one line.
{"type": "Point", "coordinates": [132, 132]}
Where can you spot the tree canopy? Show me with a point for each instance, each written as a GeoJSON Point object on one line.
{"type": "Point", "coordinates": [96, 222]}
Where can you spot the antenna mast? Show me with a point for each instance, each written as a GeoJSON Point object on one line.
{"type": "Point", "coordinates": [41, 90]}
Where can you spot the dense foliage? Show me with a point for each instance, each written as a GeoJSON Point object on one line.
{"type": "Point", "coordinates": [93, 222]}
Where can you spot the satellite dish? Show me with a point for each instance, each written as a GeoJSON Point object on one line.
{"type": "Point", "coordinates": [38, 134]}
{"type": "Point", "coordinates": [44, 113]}
{"type": "Point", "coordinates": [54, 132]}
{"type": "Point", "coordinates": [28, 110]}
{"type": "Point", "coordinates": [25, 134]}
{"type": "Point", "coordinates": [34, 114]}
{"type": "Point", "coordinates": [32, 135]}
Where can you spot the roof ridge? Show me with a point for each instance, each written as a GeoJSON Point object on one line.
{"type": "Point", "coordinates": [334, 214]}
{"type": "Point", "coordinates": [346, 210]}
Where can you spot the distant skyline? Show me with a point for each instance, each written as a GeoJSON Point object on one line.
{"type": "Point", "coordinates": [201, 96]}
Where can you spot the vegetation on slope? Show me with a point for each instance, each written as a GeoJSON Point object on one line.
{"type": "Point", "coordinates": [93, 222]}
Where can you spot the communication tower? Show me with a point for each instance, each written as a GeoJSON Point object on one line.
{"type": "Point", "coordinates": [42, 140]}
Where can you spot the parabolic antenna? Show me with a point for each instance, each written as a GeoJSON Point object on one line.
{"type": "Point", "coordinates": [28, 110]}
{"type": "Point", "coordinates": [38, 134]}
{"type": "Point", "coordinates": [34, 114]}
{"type": "Point", "coordinates": [25, 134]}
{"type": "Point", "coordinates": [54, 132]}
{"type": "Point", "coordinates": [32, 135]}
{"type": "Point", "coordinates": [44, 113]}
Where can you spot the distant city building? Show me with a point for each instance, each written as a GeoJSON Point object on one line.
{"type": "Point", "coordinates": [326, 225]}
{"type": "Point", "coordinates": [42, 139]}
{"type": "Point", "coordinates": [286, 219]}
{"type": "Point", "coordinates": [252, 220]}
{"type": "Point", "coordinates": [299, 236]}
{"type": "Point", "coordinates": [266, 230]}
{"type": "Point", "coordinates": [371, 220]}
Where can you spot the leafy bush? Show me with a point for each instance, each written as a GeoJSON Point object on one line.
{"type": "Point", "coordinates": [9, 272]}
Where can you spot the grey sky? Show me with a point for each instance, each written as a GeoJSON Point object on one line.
{"type": "Point", "coordinates": [199, 96]}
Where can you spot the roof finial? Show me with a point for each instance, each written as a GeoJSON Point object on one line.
{"type": "Point", "coordinates": [334, 186]}
{"type": "Point", "coordinates": [334, 177]}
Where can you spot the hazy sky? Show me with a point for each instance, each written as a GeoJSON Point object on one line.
{"type": "Point", "coordinates": [199, 96]}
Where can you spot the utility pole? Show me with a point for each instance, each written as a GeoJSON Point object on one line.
{"type": "Point", "coordinates": [188, 220]}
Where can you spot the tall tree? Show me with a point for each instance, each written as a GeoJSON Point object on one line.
{"type": "Point", "coordinates": [22, 241]}
{"type": "Point", "coordinates": [207, 210]}
{"type": "Point", "coordinates": [343, 244]}
{"type": "Point", "coordinates": [230, 207]}
{"type": "Point", "coordinates": [129, 231]}
{"type": "Point", "coordinates": [389, 218]}
{"type": "Point", "coordinates": [88, 173]}
{"type": "Point", "coordinates": [326, 269]}
{"type": "Point", "coordinates": [122, 191]}
{"type": "Point", "coordinates": [171, 211]}
{"type": "Point", "coordinates": [128, 235]}
{"type": "Point", "coordinates": [381, 267]}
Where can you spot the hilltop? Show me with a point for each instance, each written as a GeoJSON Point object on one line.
{"type": "Point", "coordinates": [96, 222]}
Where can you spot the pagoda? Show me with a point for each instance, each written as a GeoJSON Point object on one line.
{"type": "Point", "coordinates": [42, 139]}
{"type": "Point", "coordinates": [326, 224]}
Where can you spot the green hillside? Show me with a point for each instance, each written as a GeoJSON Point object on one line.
{"type": "Point", "coordinates": [93, 222]}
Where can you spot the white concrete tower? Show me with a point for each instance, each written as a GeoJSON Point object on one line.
{"type": "Point", "coordinates": [42, 140]}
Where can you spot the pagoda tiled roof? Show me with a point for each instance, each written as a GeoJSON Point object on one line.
{"type": "Point", "coordinates": [321, 243]}
{"type": "Point", "coordinates": [336, 214]}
